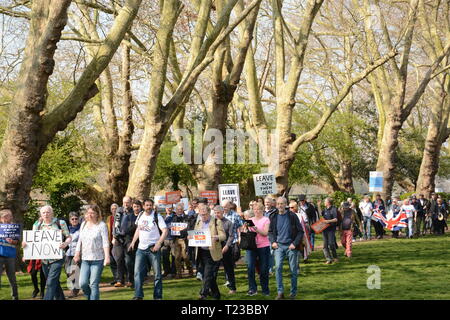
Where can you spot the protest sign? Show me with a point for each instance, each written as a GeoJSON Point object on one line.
{"type": "Point", "coordinates": [265, 184]}
{"type": "Point", "coordinates": [10, 230]}
{"type": "Point", "coordinates": [200, 238]}
{"type": "Point", "coordinates": [185, 202]}
{"type": "Point", "coordinates": [319, 226]}
{"type": "Point", "coordinates": [376, 181]}
{"type": "Point", "coordinates": [176, 227]}
{"type": "Point", "coordinates": [42, 244]}
{"type": "Point", "coordinates": [160, 203]}
{"type": "Point", "coordinates": [211, 195]}
{"type": "Point", "coordinates": [229, 192]}
{"type": "Point", "coordinates": [173, 197]}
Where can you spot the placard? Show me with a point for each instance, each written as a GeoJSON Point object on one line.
{"type": "Point", "coordinates": [10, 230]}
{"type": "Point", "coordinates": [319, 226]}
{"type": "Point", "coordinates": [185, 202]}
{"type": "Point", "coordinates": [265, 184]}
{"type": "Point", "coordinates": [42, 244]}
{"type": "Point", "coordinates": [200, 238]}
{"type": "Point", "coordinates": [229, 192]}
{"type": "Point", "coordinates": [376, 181]}
{"type": "Point", "coordinates": [173, 197]}
{"type": "Point", "coordinates": [177, 227]}
{"type": "Point", "coordinates": [211, 195]}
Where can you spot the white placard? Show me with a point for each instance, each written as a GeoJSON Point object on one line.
{"type": "Point", "coordinates": [176, 227]}
{"type": "Point", "coordinates": [42, 244]}
{"type": "Point", "coordinates": [265, 184]}
{"type": "Point", "coordinates": [185, 203]}
{"type": "Point", "coordinates": [200, 238]}
{"type": "Point", "coordinates": [376, 181]}
{"type": "Point", "coordinates": [229, 192]}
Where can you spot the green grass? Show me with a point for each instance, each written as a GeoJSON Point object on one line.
{"type": "Point", "coordinates": [410, 269]}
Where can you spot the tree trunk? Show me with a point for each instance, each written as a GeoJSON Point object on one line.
{"type": "Point", "coordinates": [437, 134]}
{"type": "Point", "coordinates": [22, 148]}
{"type": "Point", "coordinates": [346, 177]}
{"type": "Point", "coordinates": [387, 154]}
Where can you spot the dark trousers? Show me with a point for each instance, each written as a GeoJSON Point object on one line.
{"type": "Point", "coordinates": [34, 279]}
{"type": "Point", "coordinates": [130, 257]}
{"type": "Point", "coordinates": [191, 254]}
{"type": "Point", "coordinates": [329, 243]}
{"type": "Point", "coordinates": [113, 265]}
{"type": "Point", "coordinates": [379, 230]}
{"type": "Point", "coordinates": [420, 224]}
{"type": "Point", "coordinates": [10, 266]}
{"type": "Point", "coordinates": [228, 265]}
{"type": "Point", "coordinates": [211, 268]}
{"type": "Point", "coordinates": [119, 257]}
{"type": "Point", "coordinates": [168, 260]}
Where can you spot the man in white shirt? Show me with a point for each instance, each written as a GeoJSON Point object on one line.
{"type": "Point", "coordinates": [366, 208]}
{"type": "Point", "coordinates": [411, 214]}
{"type": "Point", "coordinates": [151, 232]}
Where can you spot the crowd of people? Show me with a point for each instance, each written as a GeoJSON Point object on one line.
{"type": "Point", "coordinates": [138, 244]}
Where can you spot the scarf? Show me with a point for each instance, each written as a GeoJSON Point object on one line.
{"type": "Point", "coordinates": [74, 229]}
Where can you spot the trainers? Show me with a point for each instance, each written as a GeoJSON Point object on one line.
{"type": "Point", "coordinates": [128, 284]}
{"type": "Point", "coordinates": [226, 283]}
{"type": "Point", "coordinates": [118, 285]}
{"type": "Point", "coordinates": [199, 276]}
{"type": "Point", "coordinates": [252, 293]}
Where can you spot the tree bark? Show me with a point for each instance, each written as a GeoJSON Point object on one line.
{"type": "Point", "coordinates": [346, 177]}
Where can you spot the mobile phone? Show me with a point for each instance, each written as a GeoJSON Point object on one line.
{"type": "Point", "coordinates": [250, 223]}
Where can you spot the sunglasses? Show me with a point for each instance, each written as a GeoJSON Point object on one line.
{"type": "Point", "coordinates": [291, 207]}
{"type": "Point", "coordinates": [73, 218]}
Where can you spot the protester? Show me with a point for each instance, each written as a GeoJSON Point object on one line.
{"type": "Point", "coordinates": [285, 234]}
{"type": "Point", "coordinates": [167, 257]}
{"type": "Point", "coordinates": [110, 224]}
{"type": "Point", "coordinates": [261, 254]}
{"type": "Point", "coordinates": [8, 254]}
{"type": "Point", "coordinates": [356, 227]}
{"type": "Point", "coordinates": [73, 269]}
{"type": "Point", "coordinates": [151, 232]}
{"type": "Point", "coordinates": [237, 221]}
{"type": "Point", "coordinates": [52, 268]}
{"type": "Point", "coordinates": [366, 208]}
{"type": "Point", "coordinates": [393, 211]}
{"type": "Point", "coordinates": [411, 215]}
{"type": "Point", "coordinates": [227, 247]}
{"type": "Point", "coordinates": [119, 246]}
{"type": "Point", "coordinates": [128, 228]}
{"type": "Point", "coordinates": [378, 205]}
{"type": "Point", "coordinates": [442, 217]}
{"type": "Point", "coordinates": [330, 215]}
{"type": "Point", "coordinates": [420, 215]}
{"type": "Point", "coordinates": [433, 212]}
{"type": "Point", "coordinates": [303, 218]}
{"type": "Point", "coordinates": [210, 256]}
{"type": "Point", "coordinates": [270, 209]}
{"type": "Point", "coordinates": [349, 218]}
{"type": "Point", "coordinates": [93, 252]}
{"type": "Point", "coordinates": [312, 216]}
{"type": "Point", "coordinates": [179, 243]}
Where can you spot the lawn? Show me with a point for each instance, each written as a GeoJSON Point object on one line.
{"type": "Point", "coordinates": [410, 269]}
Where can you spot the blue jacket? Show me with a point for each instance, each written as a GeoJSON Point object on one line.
{"type": "Point", "coordinates": [296, 231]}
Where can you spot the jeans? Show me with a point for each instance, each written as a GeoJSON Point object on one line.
{"type": "Point", "coordinates": [329, 243]}
{"type": "Point", "coordinates": [263, 256]}
{"type": "Point", "coordinates": [210, 271]}
{"type": "Point", "coordinates": [10, 266]}
{"type": "Point", "coordinates": [366, 227]}
{"type": "Point", "coordinates": [410, 227]}
{"type": "Point", "coordinates": [312, 238]}
{"type": "Point", "coordinates": [52, 272]}
{"type": "Point", "coordinates": [90, 274]}
{"type": "Point", "coordinates": [282, 252]}
{"type": "Point", "coordinates": [144, 259]}
{"type": "Point", "coordinates": [119, 256]}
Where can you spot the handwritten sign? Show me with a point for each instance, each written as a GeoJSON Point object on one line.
{"type": "Point", "coordinates": [211, 195]}
{"type": "Point", "coordinates": [200, 238]}
{"type": "Point", "coordinates": [173, 197]}
{"type": "Point", "coordinates": [319, 226]}
{"type": "Point", "coordinates": [229, 192]}
{"type": "Point", "coordinates": [10, 231]}
{"type": "Point", "coordinates": [42, 244]}
{"type": "Point", "coordinates": [177, 227]}
{"type": "Point", "coordinates": [265, 184]}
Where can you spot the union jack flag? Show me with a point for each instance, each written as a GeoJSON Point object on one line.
{"type": "Point", "coordinates": [394, 223]}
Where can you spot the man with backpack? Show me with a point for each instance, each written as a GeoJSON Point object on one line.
{"type": "Point", "coordinates": [151, 232]}
{"type": "Point", "coordinates": [349, 219]}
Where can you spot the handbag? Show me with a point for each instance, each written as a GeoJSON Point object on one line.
{"type": "Point", "coordinates": [248, 240]}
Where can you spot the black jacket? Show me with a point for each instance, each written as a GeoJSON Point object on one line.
{"type": "Point", "coordinates": [181, 219]}
{"type": "Point", "coordinates": [311, 212]}
{"type": "Point", "coordinates": [297, 231]}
